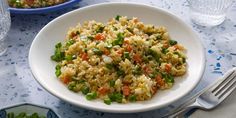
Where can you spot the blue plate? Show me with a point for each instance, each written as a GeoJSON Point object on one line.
{"type": "Point", "coordinates": [28, 108]}
{"type": "Point", "coordinates": [44, 9]}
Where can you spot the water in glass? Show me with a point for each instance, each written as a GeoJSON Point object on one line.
{"type": "Point", "coordinates": [208, 12]}
{"type": "Point", "coordinates": [5, 22]}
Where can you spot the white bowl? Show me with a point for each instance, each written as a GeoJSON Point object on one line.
{"type": "Point", "coordinates": [43, 47]}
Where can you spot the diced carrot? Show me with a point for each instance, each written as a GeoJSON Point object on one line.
{"type": "Point", "coordinates": [129, 48]}
{"type": "Point", "coordinates": [159, 80]}
{"type": "Point", "coordinates": [126, 82]}
{"type": "Point", "coordinates": [84, 56]}
{"type": "Point", "coordinates": [103, 90]}
{"type": "Point", "coordinates": [179, 47]}
{"type": "Point", "coordinates": [73, 34]}
{"type": "Point", "coordinates": [166, 44]}
{"type": "Point", "coordinates": [175, 47]}
{"type": "Point", "coordinates": [126, 41]}
{"type": "Point", "coordinates": [120, 51]}
{"type": "Point", "coordinates": [106, 52]}
{"type": "Point", "coordinates": [168, 68]}
{"type": "Point", "coordinates": [136, 20]}
{"type": "Point", "coordinates": [154, 89]}
{"type": "Point", "coordinates": [147, 70]}
{"type": "Point", "coordinates": [137, 58]}
{"type": "Point", "coordinates": [75, 37]}
{"type": "Point", "coordinates": [65, 80]}
{"type": "Point", "coordinates": [126, 90]}
{"type": "Point", "coordinates": [99, 36]}
{"type": "Point", "coordinates": [29, 2]}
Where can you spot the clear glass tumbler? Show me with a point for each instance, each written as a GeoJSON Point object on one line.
{"type": "Point", "coordinates": [208, 12]}
{"type": "Point", "coordinates": [5, 22]}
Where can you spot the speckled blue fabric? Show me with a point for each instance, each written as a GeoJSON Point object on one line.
{"type": "Point", "coordinates": [18, 85]}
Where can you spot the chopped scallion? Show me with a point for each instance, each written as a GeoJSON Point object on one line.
{"type": "Point", "coordinates": [97, 51]}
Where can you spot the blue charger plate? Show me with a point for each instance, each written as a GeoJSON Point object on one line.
{"type": "Point", "coordinates": [66, 4]}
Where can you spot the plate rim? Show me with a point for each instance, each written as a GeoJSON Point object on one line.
{"type": "Point", "coordinates": [43, 9]}
{"type": "Point", "coordinates": [202, 68]}
{"type": "Point", "coordinates": [13, 106]}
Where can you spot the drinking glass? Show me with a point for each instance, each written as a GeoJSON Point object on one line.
{"type": "Point", "coordinates": [208, 12]}
{"type": "Point", "coordinates": [5, 22]}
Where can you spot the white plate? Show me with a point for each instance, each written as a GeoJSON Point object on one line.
{"type": "Point", "coordinates": [43, 47]}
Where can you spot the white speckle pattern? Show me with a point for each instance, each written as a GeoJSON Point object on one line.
{"type": "Point", "coordinates": [18, 85]}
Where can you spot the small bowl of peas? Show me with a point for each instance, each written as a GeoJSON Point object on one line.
{"type": "Point", "coordinates": [27, 110]}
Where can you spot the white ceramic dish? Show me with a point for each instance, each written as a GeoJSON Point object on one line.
{"type": "Point", "coordinates": [43, 47]}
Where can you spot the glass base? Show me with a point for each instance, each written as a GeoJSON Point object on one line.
{"type": "Point", "coordinates": [3, 47]}
{"type": "Point", "coordinates": [206, 19]}
{"type": "Point", "coordinates": [3, 51]}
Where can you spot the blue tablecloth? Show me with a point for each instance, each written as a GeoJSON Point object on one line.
{"type": "Point", "coordinates": [18, 85]}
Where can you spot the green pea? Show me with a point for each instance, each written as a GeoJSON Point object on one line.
{"type": "Point", "coordinates": [58, 73]}
{"type": "Point", "coordinates": [154, 54]}
{"type": "Point", "coordinates": [69, 57]}
{"type": "Point", "coordinates": [85, 90]}
{"type": "Point", "coordinates": [118, 17]}
{"type": "Point", "coordinates": [119, 97]}
{"type": "Point", "coordinates": [126, 55]}
{"type": "Point", "coordinates": [90, 37]}
{"type": "Point", "coordinates": [77, 32]}
{"type": "Point", "coordinates": [58, 70]}
{"type": "Point", "coordinates": [91, 96]}
{"type": "Point", "coordinates": [172, 42]}
{"type": "Point", "coordinates": [18, 4]}
{"type": "Point", "coordinates": [110, 66]}
{"type": "Point", "coordinates": [107, 101]}
{"type": "Point", "coordinates": [58, 55]}
{"type": "Point", "coordinates": [119, 40]}
{"type": "Point", "coordinates": [120, 72]}
{"type": "Point", "coordinates": [132, 98]}
{"type": "Point", "coordinates": [71, 85]}
{"type": "Point", "coordinates": [112, 83]}
{"type": "Point", "coordinates": [116, 97]}
{"type": "Point", "coordinates": [168, 78]}
{"type": "Point", "coordinates": [164, 51]}
{"type": "Point", "coordinates": [100, 29]}
{"type": "Point", "coordinates": [58, 45]}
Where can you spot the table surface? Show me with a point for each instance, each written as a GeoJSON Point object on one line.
{"type": "Point", "coordinates": [18, 85]}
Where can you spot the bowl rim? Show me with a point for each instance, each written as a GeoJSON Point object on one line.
{"type": "Point", "coordinates": [202, 68]}
{"type": "Point", "coordinates": [27, 103]}
{"type": "Point", "coordinates": [41, 10]}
